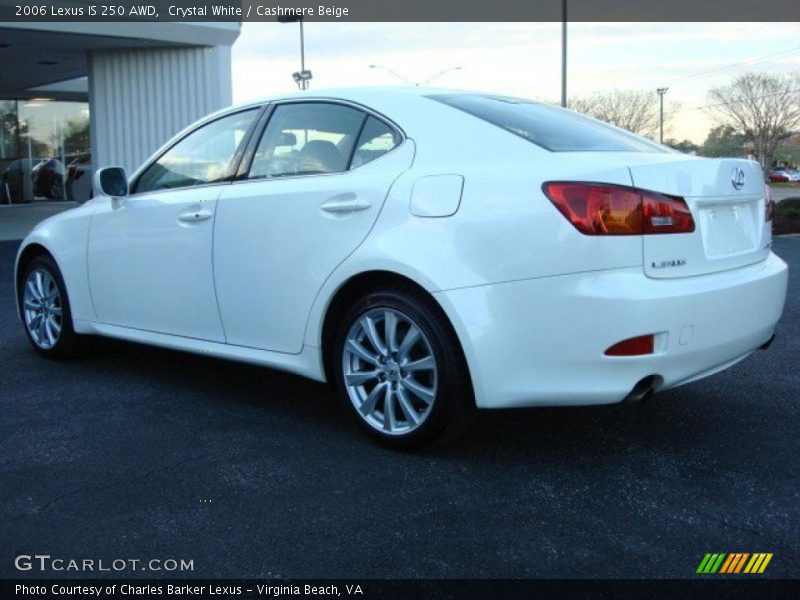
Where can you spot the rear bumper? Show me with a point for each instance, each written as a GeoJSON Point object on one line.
{"type": "Point", "coordinates": [542, 341]}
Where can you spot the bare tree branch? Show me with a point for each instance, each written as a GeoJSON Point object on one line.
{"type": "Point", "coordinates": [763, 106]}
{"type": "Point", "coordinates": [634, 110]}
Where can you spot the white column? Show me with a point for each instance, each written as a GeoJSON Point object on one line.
{"type": "Point", "coordinates": [139, 98]}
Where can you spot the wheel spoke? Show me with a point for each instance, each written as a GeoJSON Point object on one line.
{"type": "Point", "coordinates": [51, 337]}
{"type": "Point", "coordinates": [423, 364]}
{"type": "Point", "coordinates": [54, 326]}
{"type": "Point", "coordinates": [390, 329]}
{"type": "Point", "coordinates": [405, 405]}
{"type": "Point", "coordinates": [33, 324]}
{"type": "Point", "coordinates": [30, 305]}
{"type": "Point", "coordinates": [47, 284]}
{"type": "Point", "coordinates": [389, 423]}
{"type": "Point", "coordinates": [40, 284]}
{"type": "Point", "coordinates": [420, 391]}
{"type": "Point", "coordinates": [360, 377]}
{"type": "Point", "coordinates": [353, 347]}
{"type": "Point", "coordinates": [33, 291]}
{"type": "Point", "coordinates": [368, 323]}
{"type": "Point", "coordinates": [409, 340]}
{"type": "Point", "coordinates": [56, 310]}
{"type": "Point", "coordinates": [368, 406]}
{"type": "Point", "coordinates": [40, 330]}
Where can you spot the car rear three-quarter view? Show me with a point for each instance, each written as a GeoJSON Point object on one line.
{"type": "Point", "coordinates": [427, 252]}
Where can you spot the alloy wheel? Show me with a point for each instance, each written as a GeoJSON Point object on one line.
{"type": "Point", "coordinates": [42, 308]}
{"type": "Point", "coordinates": [390, 371]}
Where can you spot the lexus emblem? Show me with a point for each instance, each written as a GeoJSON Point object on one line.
{"type": "Point", "coordinates": [737, 178]}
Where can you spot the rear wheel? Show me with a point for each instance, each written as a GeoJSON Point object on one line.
{"type": "Point", "coordinates": [45, 311]}
{"type": "Point", "coordinates": [399, 368]}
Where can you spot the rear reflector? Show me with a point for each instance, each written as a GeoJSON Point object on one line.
{"type": "Point", "coordinates": [637, 346]}
{"type": "Point", "coordinates": [605, 209]}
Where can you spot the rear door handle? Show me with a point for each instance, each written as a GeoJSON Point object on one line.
{"type": "Point", "coordinates": [345, 204]}
{"type": "Point", "coordinates": [193, 216]}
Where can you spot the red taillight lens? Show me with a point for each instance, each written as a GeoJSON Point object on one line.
{"type": "Point", "coordinates": [637, 346]}
{"type": "Point", "coordinates": [602, 209]}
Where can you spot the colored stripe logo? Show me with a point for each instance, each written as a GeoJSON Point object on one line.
{"type": "Point", "coordinates": [729, 563]}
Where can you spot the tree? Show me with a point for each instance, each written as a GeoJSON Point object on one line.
{"type": "Point", "coordinates": [685, 146]}
{"type": "Point", "coordinates": [765, 107]}
{"type": "Point", "coordinates": [788, 152]}
{"type": "Point", "coordinates": [76, 137]}
{"type": "Point", "coordinates": [635, 110]}
{"type": "Point", "coordinates": [723, 140]}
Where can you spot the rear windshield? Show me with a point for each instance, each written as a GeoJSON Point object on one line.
{"type": "Point", "coordinates": [551, 128]}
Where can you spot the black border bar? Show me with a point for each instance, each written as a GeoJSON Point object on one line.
{"type": "Point", "coordinates": [755, 11]}
{"type": "Point", "coordinates": [744, 587]}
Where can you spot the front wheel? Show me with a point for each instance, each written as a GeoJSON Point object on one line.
{"type": "Point", "coordinates": [400, 369]}
{"type": "Point", "coordinates": [45, 310]}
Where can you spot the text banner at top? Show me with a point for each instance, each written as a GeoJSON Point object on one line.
{"type": "Point", "coordinates": [18, 11]}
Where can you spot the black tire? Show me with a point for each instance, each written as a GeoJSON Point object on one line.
{"type": "Point", "coordinates": [453, 408]}
{"type": "Point", "coordinates": [69, 343]}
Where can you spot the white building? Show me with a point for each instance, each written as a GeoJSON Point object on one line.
{"type": "Point", "coordinates": [134, 84]}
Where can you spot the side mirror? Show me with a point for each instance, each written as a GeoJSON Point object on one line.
{"type": "Point", "coordinates": [111, 181]}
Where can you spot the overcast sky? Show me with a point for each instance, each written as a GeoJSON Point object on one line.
{"type": "Point", "coordinates": [520, 59]}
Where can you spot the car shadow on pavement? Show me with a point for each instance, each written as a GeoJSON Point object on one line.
{"type": "Point", "coordinates": [195, 383]}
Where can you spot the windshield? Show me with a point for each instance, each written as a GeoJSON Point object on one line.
{"type": "Point", "coordinates": [552, 128]}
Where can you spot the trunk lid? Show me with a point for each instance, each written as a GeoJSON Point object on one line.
{"type": "Point", "coordinates": [727, 201]}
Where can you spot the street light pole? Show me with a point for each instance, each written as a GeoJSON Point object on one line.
{"type": "Point", "coordinates": [439, 74]}
{"type": "Point", "coordinates": [402, 78]}
{"type": "Point", "coordinates": [410, 83]}
{"type": "Point", "coordinates": [303, 76]}
{"type": "Point", "coordinates": [303, 55]}
{"type": "Point", "coordinates": [564, 53]}
{"type": "Point", "coordinates": [661, 92]}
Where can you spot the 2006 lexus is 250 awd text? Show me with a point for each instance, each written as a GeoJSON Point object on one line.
{"type": "Point", "coordinates": [428, 252]}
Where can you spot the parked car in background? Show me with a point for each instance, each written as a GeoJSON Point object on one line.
{"type": "Point", "coordinates": [777, 176]}
{"type": "Point", "coordinates": [16, 181]}
{"type": "Point", "coordinates": [48, 180]}
{"type": "Point", "coordinates": [79, 179]}
{"type": "Point", "coordinates": [426, 252]}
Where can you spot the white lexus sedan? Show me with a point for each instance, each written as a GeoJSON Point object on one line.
{"type": "Point", "coordinates": [427, 252]}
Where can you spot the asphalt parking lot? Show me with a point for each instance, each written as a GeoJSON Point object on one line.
{"type": "Point", "coordinates": [133, 452]}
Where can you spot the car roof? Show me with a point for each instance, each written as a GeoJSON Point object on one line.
{"type": "Point", "coordinates": [355, 93]}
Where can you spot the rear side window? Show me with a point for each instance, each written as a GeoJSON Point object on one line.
{"type": "Point", "coordinates": [307, 138]}
{"type": "Point", "coordinates": [376, 139]}
{"type": "Point", "coordinates": [551, 128]}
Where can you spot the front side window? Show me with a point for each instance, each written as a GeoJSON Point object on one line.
{"type": "Point", "coordinates": [307, 138]}
{"type": "Point", "coordinates": [204, 156]}
{"type": "Point", "coordinates": [551, 128]}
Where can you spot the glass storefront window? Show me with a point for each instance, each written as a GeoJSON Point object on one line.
{"type": "Point", "coordinates": [8, 129]}
{"type": "Point", "coordinates": [44, 151]}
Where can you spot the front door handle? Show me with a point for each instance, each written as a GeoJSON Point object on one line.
{"type": "Point", "coordinates": [345, 204]}
{"type": "Point", "coordinates": [193, 216]}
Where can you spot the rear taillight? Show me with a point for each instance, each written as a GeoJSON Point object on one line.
{"type": "Point", "coordinates": [604, 209]}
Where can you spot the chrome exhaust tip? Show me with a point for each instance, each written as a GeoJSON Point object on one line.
{"type": "Point", "coordinates": [768, 343]}
{"type": "Point", "coordinates": [643, 390]}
